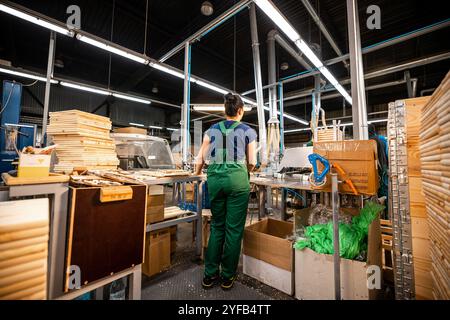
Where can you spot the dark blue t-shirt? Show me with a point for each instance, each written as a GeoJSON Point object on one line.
{"type": "Point", "coordinates": [235, 143]}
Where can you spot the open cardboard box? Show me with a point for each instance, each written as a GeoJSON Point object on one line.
{"type": "Point", "coordinates": [268, 255]}
{"type": "Point", "coordinates": [314, 272]}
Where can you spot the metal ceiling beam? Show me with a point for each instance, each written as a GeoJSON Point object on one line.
{"type": "Point", "coordinates": [308, 99]}
{"type": "Point", "coordinates": [375, 74]}
{"type": "Point", "coordinates": [323, 28]}
{"type": "Point", "coordinates": [374, 47]}
{"type": "Point", "coordinates": [238, 7]}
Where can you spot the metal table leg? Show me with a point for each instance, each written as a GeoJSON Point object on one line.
{"type": "Point", "coordinates": [199, 221]}
{"type": "Point", "coordinates": [337, 259]}
{"type": "Point", "coordinates": [262, 204]}
{"type": "Point", "coordinates": [134, 287]}
{"type": "Point", "coordinates": [283, 203]}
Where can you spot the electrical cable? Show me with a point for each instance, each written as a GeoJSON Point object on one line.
{"type": "Point", "coordinates": [30, 85]}
{"type": "Point", "coordinates": [7, 100]}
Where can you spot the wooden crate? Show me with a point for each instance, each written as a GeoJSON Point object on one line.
{"type": "Point", "coordinates": [157, 252]}
{"type": "Point", "coordinates": [435, 168]}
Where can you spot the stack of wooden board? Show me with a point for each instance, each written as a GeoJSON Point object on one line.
{"type": "Point", "coordinates": [83, 141]}
{"type": "Point", "coordinates": [24, 230]}
{"type": "Point", "coordinates": [411, 240]}
{"type": "Point", "coordinates": [435, 158]}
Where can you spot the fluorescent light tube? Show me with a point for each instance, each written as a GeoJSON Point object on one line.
{"type": "Point", "coordinates": [26, 75]}
{"type": "Point", "coordinates": [378, 120]}
{"type": "Point", "coordinates": [85, 88]}
{"type": "Point", "coordinates": [136, 124]}
{"type": "Point", "coordinates": [306, 129]}
{"type": "Point", "coordinates": [131, 98]}
{"type": "Point", "coordinates": [212, 107]}
{"type": "Point", "coordinates": [167, 70]}
{"type": "Point", "coordinates": [210, 86]}
{"type": "Point", "coordinates": [246, 100]}
{"type": "Point", "coordinates": [35, 20]}
{"type": "Point", "coordinates": [112, 49]}
{"type": "Point", "coordinates": [275, 15]}
{"type": "Point", "coordinates": [288, 116]}
{"type": "Point", "coordinates": [172, 129]}
{"type": "Point", "coordinates": [155, 127]}
{"type": "Point", "coordinates": [297, 130]}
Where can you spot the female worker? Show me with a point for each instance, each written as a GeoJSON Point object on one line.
{"type": "Point", "coordinates": [231, 147]}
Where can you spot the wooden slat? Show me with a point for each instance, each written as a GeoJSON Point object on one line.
{"type": "Point", "coordinates": [435, 163]}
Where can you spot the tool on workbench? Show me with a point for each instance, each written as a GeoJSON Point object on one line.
{"type": "Point", "coordinates": [319, 179]}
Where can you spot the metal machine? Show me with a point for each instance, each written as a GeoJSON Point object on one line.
{"type": "Point", "coordinates": [13, 135]}
{"type": "Point", "coordinates": [138, 151]}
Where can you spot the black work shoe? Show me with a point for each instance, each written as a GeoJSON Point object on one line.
{"type": "Point", "coordinates": [227, 283]}
{"type": "Point", "coordinates": [209, 282]}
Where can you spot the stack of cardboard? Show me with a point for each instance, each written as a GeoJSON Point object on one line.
{"type": "Point", "coordinates": [83, 141]}
{"type": "Point", "coordinates": [435, 159]}
{"type": "Point", "coordinates": [24, 232]}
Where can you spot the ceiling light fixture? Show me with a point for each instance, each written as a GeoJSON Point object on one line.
{"type": "Point", "coordinates": [215, 107]}
{"type": "Point", "coordinates": [26, 75]}
{"type": "Point", "coordinates": [172, 129]}
{"type": "Point", "coordinates": [155, 127]}
{"type": "Point", "coordinates": [85, 88]}
{"type": "Point", "coordinates": [36, 20]}
{"type": "Point", "coordinates": [165, 69]}
{"type": "Point", "coordinates": [136, 124]}
{"type": "Point", "coordinates": [112, 49]}
{"type": "Point", "coordinates": [209, 86]}
{"type": "Point", "coordinates": [274, 14]}
{"type": "Point", "coordinates": [131, 98]}
{"type": "Point", "coordinates": [207, 8]}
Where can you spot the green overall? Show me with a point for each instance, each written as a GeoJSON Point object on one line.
{"type": "Point", "coordinates": [229, 190]}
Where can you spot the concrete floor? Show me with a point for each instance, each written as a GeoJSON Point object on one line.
{"type": "Point", "coordinates": [182, 281]}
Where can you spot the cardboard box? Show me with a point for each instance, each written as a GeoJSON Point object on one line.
{"type": "Point", "coordinates": [268, 255]}
{"type": "Point", "coordinates": [155, 204]}
{"type": "Point", "coordinates": [157, 252]}
{"type": "Point", "coordinates": [314, 272]}
{"type": "Point", "coordinates": [173, 239]}
{"type": "Point", "coordinates": [357, 158]}
{"type": "Point", "coordinates": [131, 130]}
{"type": "Point", "coordinates": [33, 165]}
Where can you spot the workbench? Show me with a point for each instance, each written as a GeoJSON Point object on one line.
{"type": "Point", "coordinates": [266, 184]}
{"type": "Point", "coordinates": [194, 216]}
{"type": "Point", "coordinates": [56, 189]}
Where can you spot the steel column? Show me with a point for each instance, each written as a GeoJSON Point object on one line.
{"type": "Point", "coordinates": [50, 65]}
{"type": "Point", "coordinates": [272, 71]}
{"type": "Point", "coordinates": [280, 95]}
{"type": "Point", "coordinates": [186, 105]}
{"type": "Point", "coordinates": [359, 110]}
{"type": "Point", "coordinates": [336, 256]}
{"type": "Point", "coordinates": [258, 85]}
{"type": "Point", "coordinates": [316, 102]}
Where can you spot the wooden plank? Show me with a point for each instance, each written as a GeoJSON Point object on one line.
{"type": "Point", "coordinates": [15, 181]}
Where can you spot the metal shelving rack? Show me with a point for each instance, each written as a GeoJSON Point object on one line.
{"type": "Point", "coordinates": [399, 209]}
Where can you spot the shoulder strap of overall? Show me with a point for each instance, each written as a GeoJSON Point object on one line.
{"type": "Point", "coordinates": [226, 131]}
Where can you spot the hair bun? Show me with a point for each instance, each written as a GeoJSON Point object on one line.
{"type": "Point", "coordinates": [229, 97]}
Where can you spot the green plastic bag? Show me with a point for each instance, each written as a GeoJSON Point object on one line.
{"type": "Point", "coordinates": [352, 238]}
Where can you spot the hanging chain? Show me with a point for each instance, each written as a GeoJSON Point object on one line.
{"type": "Point", "coordinates": [146, 27]}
